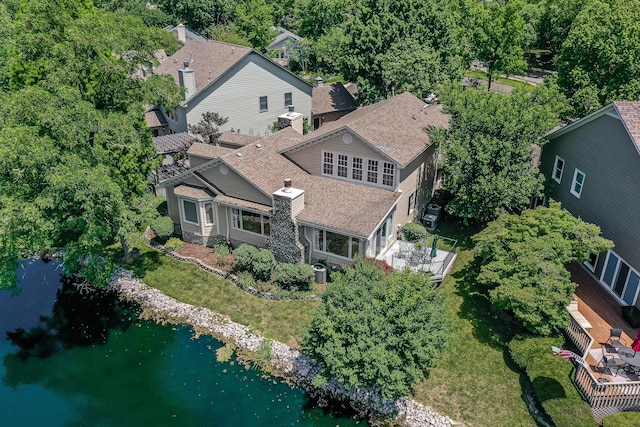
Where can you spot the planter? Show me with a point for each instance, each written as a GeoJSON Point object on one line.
{"type": "Point", "coordinates": [320, 272]}
{"type": "Point", "coordinates": [631, 315]}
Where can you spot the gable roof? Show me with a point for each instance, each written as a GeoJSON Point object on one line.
{"type": "Point", "coordinates": [398, 128]}
{"type": "Point", "coordinates": [627, 111]}
{"type": "Point", "coordinates": [207, 150]}
{"type": "Point", "coordinates": [237, 139]}
{"type": "Point", "coordinates": [189, 33]}
{"type": "Point", "coordinates": [173, 143]}
{"type": "Point", "coordinates": [329, 97]}
{"type": "Point", "coordinates": [208, 59]}
{"type": "Point", "coordinates": [283, 34]}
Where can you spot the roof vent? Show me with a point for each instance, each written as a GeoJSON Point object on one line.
{"type": "Point", "coordinates": [239, 154]}
{"type": "Point", "coordinates": [190, 56]}
{"type": "Point", "coordinates": [258, 145]}
{"type": "Point", "coordinates": [231, 51]}
{"type": "Point", "coordinates": [209, 75]}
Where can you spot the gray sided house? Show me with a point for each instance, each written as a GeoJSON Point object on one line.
{"type": "Point", "coordinates": [594, 164]}
{"type": "Point", "coordinates": [349, 186]}
{"type": "Point", "coordinates": [236, 82]}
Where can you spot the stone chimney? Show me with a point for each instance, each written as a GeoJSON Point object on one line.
{"type": "Point", "coordinates": [187, 80]}
{"type": "Point", "coordinates": [284, 240]}
{"type": "Point", "coordinates": [181, 33]}
{"type": "Point", "coordinates": [292, 119]}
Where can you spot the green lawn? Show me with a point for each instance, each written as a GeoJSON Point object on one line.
{"type": "Point", "coordinates": [284, 321]}
{"type": "Point", "coordinates": [479, 74]}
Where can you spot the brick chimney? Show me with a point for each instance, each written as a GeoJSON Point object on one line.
{"type": "Point", "coordinates": [187, 80]}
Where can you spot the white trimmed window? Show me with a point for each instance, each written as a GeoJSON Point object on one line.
{"type": "Point", "coordinates": [327, 163]}
{"type": "Point", "coordinates": [353, 168]}
{"type": "Point", "coordinates": [335, 243]}
{"type": "Point", "coordinates": [343, 165]}
{"type": "Point", "coordinates": [558, 168]}
{"type": "Point", "coordinates": [356, 169]}
{"type": "Point", "coordinates": [388, 174]}
{"type": "Point", "coordinates": [251, 222]}
{"type": "Point", "coordinates": [190, 212]}
{"type": "Point", "coordinates": [288, 99]}
{"type": "Point", "coordinates": [264, 104]}
{"type": "Point", "coordinates": [372, 171]}
{"type": "Point", "coordinates": [578, 183]}
{"type": "Point", "coordinates": [412, 203]}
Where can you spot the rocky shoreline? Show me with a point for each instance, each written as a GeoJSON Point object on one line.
{"type": "Point", "coordinates": [290, 362]}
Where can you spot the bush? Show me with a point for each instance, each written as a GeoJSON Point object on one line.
{"type": "Point", "coordinates": [413, 232]}
{"type": "Point", "coordinates": [221, 249]}
{"type": "Point", "coordinates": [263, 263]}
{"type": "Point", "coordinates": [550, 376]}
{"type": "Point", "coordinates": [246, 280]}
{"type": "Point", "coordinates": [622, 419]}
{"type": "Point", "coordinates": [245, 254]}
{"type": "Point", "coordinates": [300, 276]}
{"type": "Point", "coordinates": [173, 244]}
{"type": "Point", "coordinates": [163, 227]}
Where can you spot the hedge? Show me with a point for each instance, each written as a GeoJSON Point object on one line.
{"type": "Point", "coordinates": [413, 232]}
{"type": "Point", "coordinates": [300, 276]}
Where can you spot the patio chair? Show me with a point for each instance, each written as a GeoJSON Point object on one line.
{"type": "Point", "coordinates": [615, 340]}
{"type": "Point", "coordinates": [611, 362]}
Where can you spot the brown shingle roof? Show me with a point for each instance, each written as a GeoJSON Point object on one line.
{"type": "Point", "coordinates": [397, 127]}
{"type": "Point", "coordinates": [237, 139]}
{"type": "Point", "coordinates": [192, 192]}
{"type": "Point", "coordinates": [343, 206]}
{"type": "Point", "coordinates": [630, 113]}
{"type": "Point", "coordinates": [329, 97]}
{"type": "Point", "coordinates": [211, 59]}
{"type": "Point", "coordinates": [232, 201]}
{"type": "Point", "coordinates": [207, 150]}
{"type": "Point", "coordinates": [155, 118]}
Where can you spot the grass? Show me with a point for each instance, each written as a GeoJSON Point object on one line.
{"type": "Point", "coordinates": [481, 75]}
{"type": "Point", "coordinates": [474, 381]}
{"type": "Point", "coordinates": [284, 321]}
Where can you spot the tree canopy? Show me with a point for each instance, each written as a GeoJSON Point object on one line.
{"type": "Point", "coordinates": [523, 263]}
{"type": "Point", "coordinates": [378, 331]}
{"type": "Point", "coordinates": [75, 151]}
{"type": "Point", "coordinates": [488, 150]}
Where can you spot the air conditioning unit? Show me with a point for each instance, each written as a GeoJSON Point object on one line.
{"type": "Point", "coordinates": [430, 221]}
{"type": "Point", "coordinates": [434, 209]}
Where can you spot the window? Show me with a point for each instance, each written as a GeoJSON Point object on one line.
{"type": "Point", "coordinates": [327, 164]}
{"type": "Point", "coordinates": [356, 169]}
{"type": "Point", "coordinates": [337, 244]}
{"type": "Point", "coordinates": [251, 221]}
{"type": "Point", "coordinates": [412, 203]}
{"type": "Point", "coordinates": [264, 105]}
{"type": "Point", "coordinates": [387, 174]}
{"type": "Point", "coordinates": [372, 171]}
{"type": "Point", "coordinates": [592, 261]}
{"type": "Point", "coordinates": [288, 99]}
{"type": "Point", "coordinates": [343, 164]}
{"type": "Point", "coordinates": [558, 167]}
{"type": "Point", "coordinates": [209, 215]}
{"type": "Point", "coordinates": [190, 212]}
{"type": "Point", "coordinates": [578, 183]}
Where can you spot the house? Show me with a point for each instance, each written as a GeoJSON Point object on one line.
{"type": "Point", "coordinates": [594, 166]}
{"type": "Point", "coordinates": [282, 44]}
{"type": "Point", "coordinates": [330, 102]}
{"type": "Point", "coordinates": [234, 81]}
{"type": "Point", "coordinates": [341, 191]}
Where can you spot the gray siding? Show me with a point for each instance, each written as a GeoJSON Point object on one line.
{"type": "Point", "coordinates": [602, 150]}
{"type": "Point", "coordinates": [234, 185]}
{"type": "Point", "coordinates": [418, 177]}
{"type": "Point", "coordinates": [236, 95]}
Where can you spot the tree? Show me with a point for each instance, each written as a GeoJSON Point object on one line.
{"type": "Point", "coordinates": [599, 62]}
{"type": "Point", "coordinates": [200, 14]}
{"type": "Point", "coordinates": [254, 22]}
{"type": "Point", "coordinates": [377, 331]}
{"type": "Point", "coordinates": [500, 38]}
{"type": "Point", "coordinates": [227, 34]}
{"type": "Point", "coordinates": [76, 153]}
{"type": "Point", "coordinates": [207, 128]}
{"type": "Point", "coordinates": [488, 150]}
{"type": "Point", "coordinates": [523, 259]}
{"type": "Point", "coordinates": [556, 21]}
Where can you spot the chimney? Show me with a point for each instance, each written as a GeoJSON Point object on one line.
{"type": "Point", "coordinates": [187, 80]}
{"type": "Point", "coordinates": [284, 240]}
{"type": "Point", "coordinates": [292, 119]}
{"type": "Point", "coordinates": [318, 81]}
{"type": "Point", "coordinates": [287, 185]}
{"type": "Point", "coordinates": [181, 32]}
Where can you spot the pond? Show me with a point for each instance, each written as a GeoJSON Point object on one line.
{"type": "Point", "coordinates": [75, 359]}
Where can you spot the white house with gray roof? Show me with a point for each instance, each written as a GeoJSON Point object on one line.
{"type": "Point", "coordinates": [349, 186]}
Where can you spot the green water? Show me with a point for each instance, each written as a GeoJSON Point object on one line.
{"type": "Point", "coordinates": [136, 374]}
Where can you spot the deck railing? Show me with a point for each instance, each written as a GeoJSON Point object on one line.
{"type": "Point", "coordinates": [579, 336]}
{"type": "Point", "coordinates": [604, 397]}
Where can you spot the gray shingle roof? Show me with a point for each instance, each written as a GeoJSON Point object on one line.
{"type": "Point", "coordinates": [173, 143]}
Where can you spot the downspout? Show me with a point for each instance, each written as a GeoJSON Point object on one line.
{"type": "Point", "coordinates": [308, 245]}
{"type": "Point", "coordinates": [226, 214]}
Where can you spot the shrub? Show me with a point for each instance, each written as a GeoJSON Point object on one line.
{"type": "Point", "coordinates": [246, 280]}
{"type": "Point", "coordinates": [263, 355]}
{"type": "Point", "coordinates": [622, 419]}
{"type": "Point", "coordinates": [163, 227]}
{"type": "Point", "coordinates": [413, 232]}
{"type": "Point", "coordinates": [300, 276]}
{"type": "Point", "coordinates": [221, 249]}
{"type": "Point", "coordinates": [173, 244]}
{"type": "Point", "coordinates": [244, 255]}
{"type": "Point", "coordinates": [263, 263]}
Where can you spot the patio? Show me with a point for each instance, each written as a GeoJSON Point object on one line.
{"type": "Point", "coordinates": [403, 254]}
